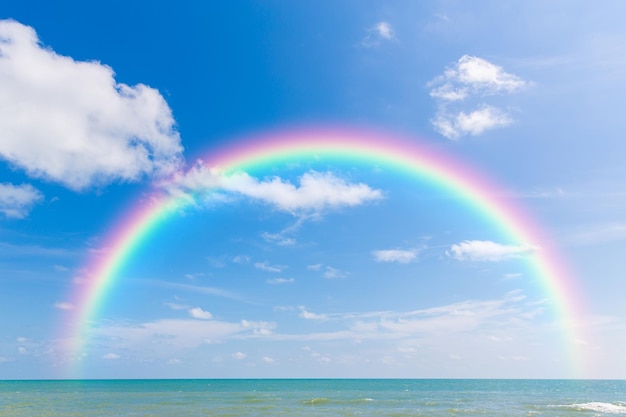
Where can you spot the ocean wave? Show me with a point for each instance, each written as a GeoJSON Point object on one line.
{"type": "Point", "coordinates": [599, 407]}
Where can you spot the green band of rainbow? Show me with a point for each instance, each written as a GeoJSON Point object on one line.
{"type": "Point", "coordinates": [411, 156]}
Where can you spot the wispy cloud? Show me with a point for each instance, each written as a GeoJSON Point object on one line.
{"type": "Point", "coordinates": [265, 266]}
{"type": "Point", "coordinates": [177, 306]}
{"type": "Point", "coordinates": [315, 267]}
{"type": "Point", "coordinates": [471, 78]}
{"type": "Point", "coordinates": [218, 292]}
{"type": "Point", "coordinates": [111, 356]}
{"type": "Point", "coordinates": [377, 34]}
{"type": "Point", "coordinates": [327, 271]}
{"type": "Point", "coordinates": [315, 193]}
{"type": "Point", "coordinates": [175, 333]}
{"type": "Point", "coordinates": [488, 251]}
{"type": "Point", "coordinates": [332, 273]}
{"type": "Point", "coordinates": [594, 234]}
{"type": "Point", "coordinates": [278, 239]}
{"type": "Point", "coordinates": [278, 281]}
{"type": "Point", "coordinates": [70, 122]}
{"type": "Point", "coordinates": [16, 201]}
{"type": "Point", "coordinates": [403, 256]}
{"type": "Point", "coordinates": [305, 314]}
{"type": "Point", "coordinates": [63, 305]}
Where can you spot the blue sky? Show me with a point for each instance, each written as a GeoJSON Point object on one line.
{"type": "Point", "coordinates": [102, 104]}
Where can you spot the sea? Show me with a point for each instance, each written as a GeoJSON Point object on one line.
{"type": "Point", "coordinates": [312, 397]}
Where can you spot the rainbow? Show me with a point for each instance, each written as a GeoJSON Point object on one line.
{"type": "Point", "coordinates": [409, 155]}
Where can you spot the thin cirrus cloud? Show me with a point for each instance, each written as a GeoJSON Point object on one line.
{"type": "Point", "coordinates": [267, 267]}
{"type": "Point", "coordinates": [488, 251]}
{"type": "Point", "coordinates": [315, 193]}
{"type": "Point", "coordinates": [278, 281]}
{"type": "Point", "coordinates": [16, 201]}
{"type": "Point", "coordinates": [70, 122]}
{"type": "Point", "coordinates": [402, 256]}
{"type": "Point", "coordinates": [471, 79]}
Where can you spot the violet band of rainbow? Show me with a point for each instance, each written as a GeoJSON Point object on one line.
{"type": "Point", "coordinates": [409, 155]}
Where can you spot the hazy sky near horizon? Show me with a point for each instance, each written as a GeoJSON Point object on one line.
{"type": "Point", "coordinates": [311, 267]}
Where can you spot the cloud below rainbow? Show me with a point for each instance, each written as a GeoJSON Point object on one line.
{"type": "Point", "coordinates": [227, 170]}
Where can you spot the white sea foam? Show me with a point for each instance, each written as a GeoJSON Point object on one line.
{"type": "Point", "coordinates": [600, 407]}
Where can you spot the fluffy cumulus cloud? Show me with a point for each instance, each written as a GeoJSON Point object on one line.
{"type": "Point", "coordinates": [199, 313]}
{"type": "Point", "coordinates": [316, 192]}
{"type": "Point", "coordinates": [16, 201]}
{"type": "Point", "coordinates": [473, 75]}
{"type": "Point", "coordinates": [70, 122]}
{"type": "Point", "coordinates": [402, 256]}
{"type": "Point", "coordinates": [461, 93]}
{"type": "Point", "coordinates": [487, 251]}
{"type": "Point", "coordinates": [453, 126]}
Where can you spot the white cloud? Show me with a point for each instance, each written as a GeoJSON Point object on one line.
{"type": "Point", "coordinates": [332, 273]}
{"type": "Point", "coordinates": [311, 316]}
{"type": "Point", "coordinates": [241, 259]}
{"type": "Point", "coordinates": [380, 32]}
{"type": "Point", "coordinates": [316, 192]}
{"type": "Point", "coordinates": [62, 305]}
{"type": "Point", "coordinates": [512, 276]}
{"type": "Point", "coordinates": [329, 271]}
{"type": "Point", "coordinates": [111, 356]}
{"type": "Point", "coordinates": [453, 126]}
{"type": "Point", "coordinates": [278, 239]}
{"type": "Point", "coordinates": [265, 266]}
{"type": "Point", "coordinates": [178, 333]}
{"type": "Point", "coordinates": [69, 121]}
{"type": "Point", "coordinates": [194, 276]}
{"type": "Point", "coordinates": [239, 355]}
{"type": "Point", "coordinates": [267, 359]}
{"type": "Point", "coordinates": [593, 234]}
{"type": "Point", "coordinates": [16, 201]}
{"type": "Point", "coordinates": [259, 328]}
{"type": "Point", "coordinates": [402, 256]}
{"type": "Point", "coordinates": [487, 251]}
{"type": "Point", "coordinates": [384, 30]}
{"type": "Point", "coordinates": [277, 281]}
{"type": "Point", "coordinates": [199, 313]}
{"type": "Point", "coordinates": [471, 78]}
{"type": "Point", "coordinates": [473, 75]}
{"type": "Point", "coordinates": [480, 120]}
{"type": "Point", "coordinates": [176, 306]}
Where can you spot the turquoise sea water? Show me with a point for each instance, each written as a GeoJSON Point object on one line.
{"type": "Point", "coordinates": [312, 397]}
